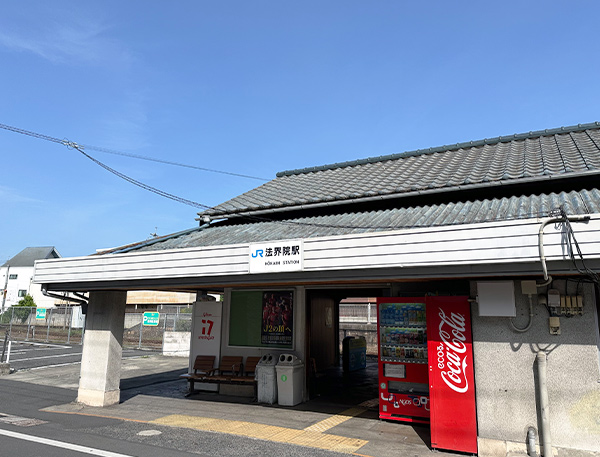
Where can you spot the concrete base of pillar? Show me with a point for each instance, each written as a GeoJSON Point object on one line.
{"type": "Point", "coordinates": [102, 348]}
{"type": "Point", "coordinates": [4, 368]}
{"type": "Point", "coordinates": [98, 397]}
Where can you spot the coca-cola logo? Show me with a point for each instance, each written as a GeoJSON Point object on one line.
{"type": "Point", "coordinates": [452, 351]}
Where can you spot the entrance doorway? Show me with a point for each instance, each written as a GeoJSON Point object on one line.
{"type": "Point", "coordinates": [328, 375]}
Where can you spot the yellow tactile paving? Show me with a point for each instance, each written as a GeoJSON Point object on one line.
{"type": "Point", "coordinates": [308, 437]}
{"type": "Point", "coordinates": [332, 421]}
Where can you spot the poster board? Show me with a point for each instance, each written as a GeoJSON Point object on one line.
{"type": "Point", "coordinates": [254, 323]}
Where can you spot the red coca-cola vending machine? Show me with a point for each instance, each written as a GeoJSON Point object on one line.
{"type": "Point", "coordinates": [403, 370]}
{"type": "Point", "coordinates": [426, 367]}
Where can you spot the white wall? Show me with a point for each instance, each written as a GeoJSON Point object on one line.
{"type": "Point", "coordinates": [23, 282]}
{"type": "Point", "coordinates": [506, 376]}
{"type": "Point", "coordinates": [507, 242]}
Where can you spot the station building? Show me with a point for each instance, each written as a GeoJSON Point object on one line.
{"type": "Point", "coordinates": [510, 223]}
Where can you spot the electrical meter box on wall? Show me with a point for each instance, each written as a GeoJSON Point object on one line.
{"type": "Point", "coordinates": [496, 299]}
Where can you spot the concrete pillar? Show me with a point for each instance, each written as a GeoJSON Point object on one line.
{"type": "Point", "coordinates": [102, 349]}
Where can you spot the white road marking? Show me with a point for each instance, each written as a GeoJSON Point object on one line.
{"type": "Point", "coordinates": [70, 363]}
{"type": "Point", "coordinates": [61, 444]}
{"type": "Point", "coordinates": [51, 366]}
{"type": "Point", "coordinates": [149, 433]}
{"type": "Point", "coordinates": [48, 357]}
{"type": "Point", "coordinates": [50, 345]}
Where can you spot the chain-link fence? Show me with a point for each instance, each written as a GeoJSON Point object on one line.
{"type": "Point", "coordinates": [67, 325]}
{"type": "Point", "coordinates": [64, 325]}
{"type": "Point", "coordinates": [363, 313]}
{"type": "Point", "coordinates": [136, 334]}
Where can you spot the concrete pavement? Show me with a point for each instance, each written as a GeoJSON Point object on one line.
{"type": "Point", "coordinates": [152, 393]}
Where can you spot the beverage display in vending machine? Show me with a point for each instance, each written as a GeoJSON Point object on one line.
{"type": "Point", "coordinates": [426, 367]}
{"type": "Point", "coordinates": [403, 369]}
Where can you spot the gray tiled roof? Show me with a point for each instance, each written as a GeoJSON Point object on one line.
{"type": "Point", "coordinates": [568, 151]}
{"type": "Point", "coordinates": [523, 207]}
{"type": "Point", "coordinates": [28, 256]}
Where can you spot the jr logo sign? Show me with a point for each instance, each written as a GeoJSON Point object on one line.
{"type": "Point", "coordinates": [276, 256]}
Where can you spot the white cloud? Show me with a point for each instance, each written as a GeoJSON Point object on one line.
{"type": "Point", "coordinates": [125, 127]}
{"type": "Point", "coordinates": [72, 39]}
{"type": "Point", "coordinates": [8, 196]}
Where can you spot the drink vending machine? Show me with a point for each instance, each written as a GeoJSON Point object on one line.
{"type": "Point", "coordinates": [426, 367]}
{"type": "Point", "coordinates": [403, 371]}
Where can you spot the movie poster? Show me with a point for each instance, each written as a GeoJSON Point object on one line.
{"type": "Point", "coordinates": [277, 319]}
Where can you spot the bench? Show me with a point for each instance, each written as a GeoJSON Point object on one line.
{"type": "Point", "coordinates": [231, 370]}
{"type": "Point", "coordinates": [203, 366]}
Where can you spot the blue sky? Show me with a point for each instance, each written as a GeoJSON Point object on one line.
{"type": "Point", "coordinates": [256, 88]}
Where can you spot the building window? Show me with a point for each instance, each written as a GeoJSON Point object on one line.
{"type": "Point", "coordinates": [22, 293]}
{"type": "Point", "coordinates": [12, 276]}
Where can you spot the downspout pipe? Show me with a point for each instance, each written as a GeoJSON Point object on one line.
{"type": "Point", "coordinates": [80, 301]}
{"type": "Point", "coordinates": [575, 218]}
{"type": "Point", "coordinates": [542, 363]}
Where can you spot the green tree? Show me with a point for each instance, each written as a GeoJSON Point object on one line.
{"type": "Point", "coordinates": [27, 300]}
{"type": "Point", "coordinates": [25, 306]}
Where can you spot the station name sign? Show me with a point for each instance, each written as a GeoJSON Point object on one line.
{"type": "Point", "coordinates": [276, 256]}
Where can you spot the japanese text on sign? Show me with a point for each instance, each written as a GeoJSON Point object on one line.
{"type": "Point", "coordinates": [276, 256]}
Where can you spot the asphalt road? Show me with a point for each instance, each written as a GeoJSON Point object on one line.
{"type": "Point", "coordinates": [27, 431]}
{"type": "Point", "coordinates": [31, 356]}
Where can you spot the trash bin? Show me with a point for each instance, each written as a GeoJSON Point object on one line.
{"type": "Point", "coordinates": [354, 353]}
{"type": "Point", "coordinates": [265, 379]}
{"type": "Point", "coordinates": [290, 380]}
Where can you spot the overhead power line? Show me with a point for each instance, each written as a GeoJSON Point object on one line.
{"type": "Point", "coordinates": [140, 184]}
{"type": "Point", "coordinates": [73, 145]}
{"type": "Point", "coordinates": [185, 201]}
{"type": "Point", "coordinates": [126, 154]}
{"type": "Point", "coordinates": [168, 162]}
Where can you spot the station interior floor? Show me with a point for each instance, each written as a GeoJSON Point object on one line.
{"type": "Point", "coordinates": [334, 391]}
{"type": "Point", "coordinates": [347, 388]}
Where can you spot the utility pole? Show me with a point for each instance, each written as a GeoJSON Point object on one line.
{"type": "Point", "coordinates": [4, 292]}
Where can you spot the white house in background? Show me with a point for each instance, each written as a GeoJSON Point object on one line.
{"type": "Point", "coordinates": [16, 275]}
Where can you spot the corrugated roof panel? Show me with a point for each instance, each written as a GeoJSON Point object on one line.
{"type": "Point", "coordinates": [592, 159]}
{"type": "Point", "coordinates": [538, 154]}
{"type": "Point", "coordinates": [534, 162]}
{"type": "Point", "coordinates": [553, 161]}
{"type": "Point", "coordinates": [523, 207]}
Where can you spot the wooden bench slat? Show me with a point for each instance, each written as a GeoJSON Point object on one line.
{"type": "Point", "coordinates": [250, 365]}
{"type": "Point", "coordinates": [204, 364]}
{"type": "Point", "coordinates": [231, 370]}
